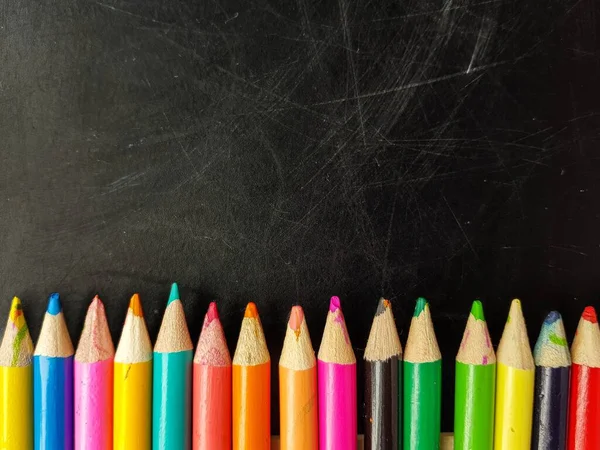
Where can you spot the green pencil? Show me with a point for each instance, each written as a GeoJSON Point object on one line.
{"type": "Point", "coordinates": [422, 383]}
{"type": "Point", "coordinates": [475, 386]}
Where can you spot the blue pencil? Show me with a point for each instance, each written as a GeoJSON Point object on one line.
{"type": "Point", "coordinates": [53, 382]}
{"type": "Point", "coordinates": [172, 380]}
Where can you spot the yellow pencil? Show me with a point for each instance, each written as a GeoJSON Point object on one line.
{"type": "Point", "coordinates": [16, 383]}
{"type": "Point", "coordinates": [514, 385]}
{"type": "Point", "coordinates": [133, 383]}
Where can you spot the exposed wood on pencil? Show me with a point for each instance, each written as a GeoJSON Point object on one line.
{"type": "Point", "coordinates": [133, 383]}
{"type": "Point", "coordinates": [212, 347]}
{"type": "Point", "coordinates": [172, 379]}
{"type": "Point", "coordinates": [251, 349]}
{"type": "Point", "coordinates": [584, 404]}
{"type": "Point", "coordinates": [514, 385]}
{"type": "Point", "coordinates": [95, 343]}
{"type": "Point", "coordinates": [422, 382]}
{"type": "Point", "coordinates": [383, 356]}
{"type": "Point", "coordinates": [337, 383]}
{"type": "Point", "coordinates": [384, 342]}
{"type": "Point", "coordinates": [298, 387]}
{"type": "Point", "coordinates": [297, 352]}
{"type": "Point", "coordinates": [16, 349]}
{"type": "Point", "coordinates": [514, 349]}
{"type": "Point", "coordinates": [53, 382]}
{"type": "Point", "coordinates": [134, 345]}
{"type": "Point", "coordinates": [212, 387]}
{"type": "Point", "coordinates": [16, 381]}
{"type": "Point", "coordinates": [93, 380]}
{"type": "Point", "coordinates": [475, 385]}
{"type": "Point", "coordinates": [553, 364]}
{"type": "Point", "coordinates": [251, 386]}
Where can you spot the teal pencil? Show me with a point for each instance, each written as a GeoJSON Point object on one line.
{"type": "Point", "coordinates": [172, 381]}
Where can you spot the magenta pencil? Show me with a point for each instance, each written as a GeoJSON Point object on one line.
{"type": "Point", "coordinates": [337, 384]}
{"type": "Point", "coordinates": [94, 382]}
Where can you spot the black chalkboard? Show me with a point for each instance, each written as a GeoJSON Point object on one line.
{"type": "Point", "coordinates": [285, 151]}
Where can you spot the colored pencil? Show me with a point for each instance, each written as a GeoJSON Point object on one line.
{"type": "Point", "coordinates": [515, 374]}
{"type": "Point", "coordinates": [299, 414]}
{"type": "Point", "coordinates": [251, 386]}
{"type": "Point", "coordinates": [475, 385]}
{"type": "Point", "coordinates": [93, 374]}
{"type": "Point", "coordinates": [584, 403]}
{"type": "Point", "coordinates": [422, 383]}
{"type": "Point", "coordinates": [16, 382]}
{"type": "Point", "coordinates": [446, 442]}
{"type": "Point", "coordinates": [133, 383]}
{"type": "Point", "coordinates": [212, 387]}
{"type": "Point", "coordinates": [552, 368]}
{"type": "Point", "coordinates": [172, 380]}
{"type": "Point", "coordinates": [383, 378]}
{"type": "Point", "coordinates": [337, 384]}
{"type": "Point", "coordinates": [53, 382]}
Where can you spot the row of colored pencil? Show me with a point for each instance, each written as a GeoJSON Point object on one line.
{"type": "Point", "coordinates": [166, 398]}
{"type": "Point", "coordinates": [508, 401]}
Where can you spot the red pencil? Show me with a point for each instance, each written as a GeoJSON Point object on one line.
{"type": "Point", "coordinates": [212, 387]}
{"type": "Point", "coordinates": [584, 403]}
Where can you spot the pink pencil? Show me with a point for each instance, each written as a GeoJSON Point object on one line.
{"type": "Point", "coordinates": [337, 384]}
{"type": "Point", "coordinates": [94, 382]}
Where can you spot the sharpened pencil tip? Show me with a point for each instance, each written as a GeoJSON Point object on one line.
{"type": "Point", "coordinates": [96, 303]}
{"type": "Point", "coordinates": [589, 314]}
{"type": "Point", "coordinates": [477, 310]}
{"type": "Point", "coordinates": [552, 317]}
{"type": "Point", "coordinates": [135, 305]}
{"type": "Point", "coordinates": [382, 306]}
{"type": "Point", "coordinates": [251, 310]}
{"type": "Point", "coordinates": [334, 304]}
{"type": "Point", "coordinates": [174, 293]}
{"type": "Point", "coordinates": [212, 313]}
{"type": "Point", "coordinates": [296, 317]}
{"type": "Point", "coordinates": [16, 309]}
{"type": "Point", "coordinates": [54, 306]}
{"type": "Point", "coordinates": [420, 306]}
{"type": "Point", "coordinates": [515, 310]}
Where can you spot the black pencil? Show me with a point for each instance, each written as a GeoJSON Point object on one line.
{"type": "Point", "coordinates": [552, 367]}
{"type": "Point", "coordinates": [383, 373]}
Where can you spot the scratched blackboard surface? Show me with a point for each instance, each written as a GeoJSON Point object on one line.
{"type": "Point", "coordinates": [285, 151]}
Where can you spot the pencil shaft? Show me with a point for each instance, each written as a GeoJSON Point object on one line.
{"type": "Point", "coordinates": [422, 405]}
{"type": "Point", "coordinates": [549, 431]}
{"type": "Point", "coordinates": [299, 429]}
{"type": "Point", "coordinates": [474, 406]}
{"type": "Point", "coordinates": [252, 407]}
{"type": "Point", "coordinates": [53, 403]}
{"type": "Point", "coordinates": [337, 406]}
{"type": "Point", "coordinates": [93, 405]}
{"type": "Point", "coordinates": [212, 408]}
{"type": "Point", "coordinates": [514, 408]}
{"type": "Point", "coordinates": [171, 410]}
{"type": "Point", "coordinates": [16, 408]}
{"type": "Point", "coordinates": [132, 406]}
{"type": "Point", "coordinates": [382, 388]}
{"type": "Point", "coordinates": [584, 408]}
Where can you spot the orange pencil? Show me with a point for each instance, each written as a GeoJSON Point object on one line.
{"type": "Point", "coordinates": [212, 387]}
{"type": "Point", "coordinates": [299, 413]}
{"type": "Point", "coordinates": [251, 386]}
